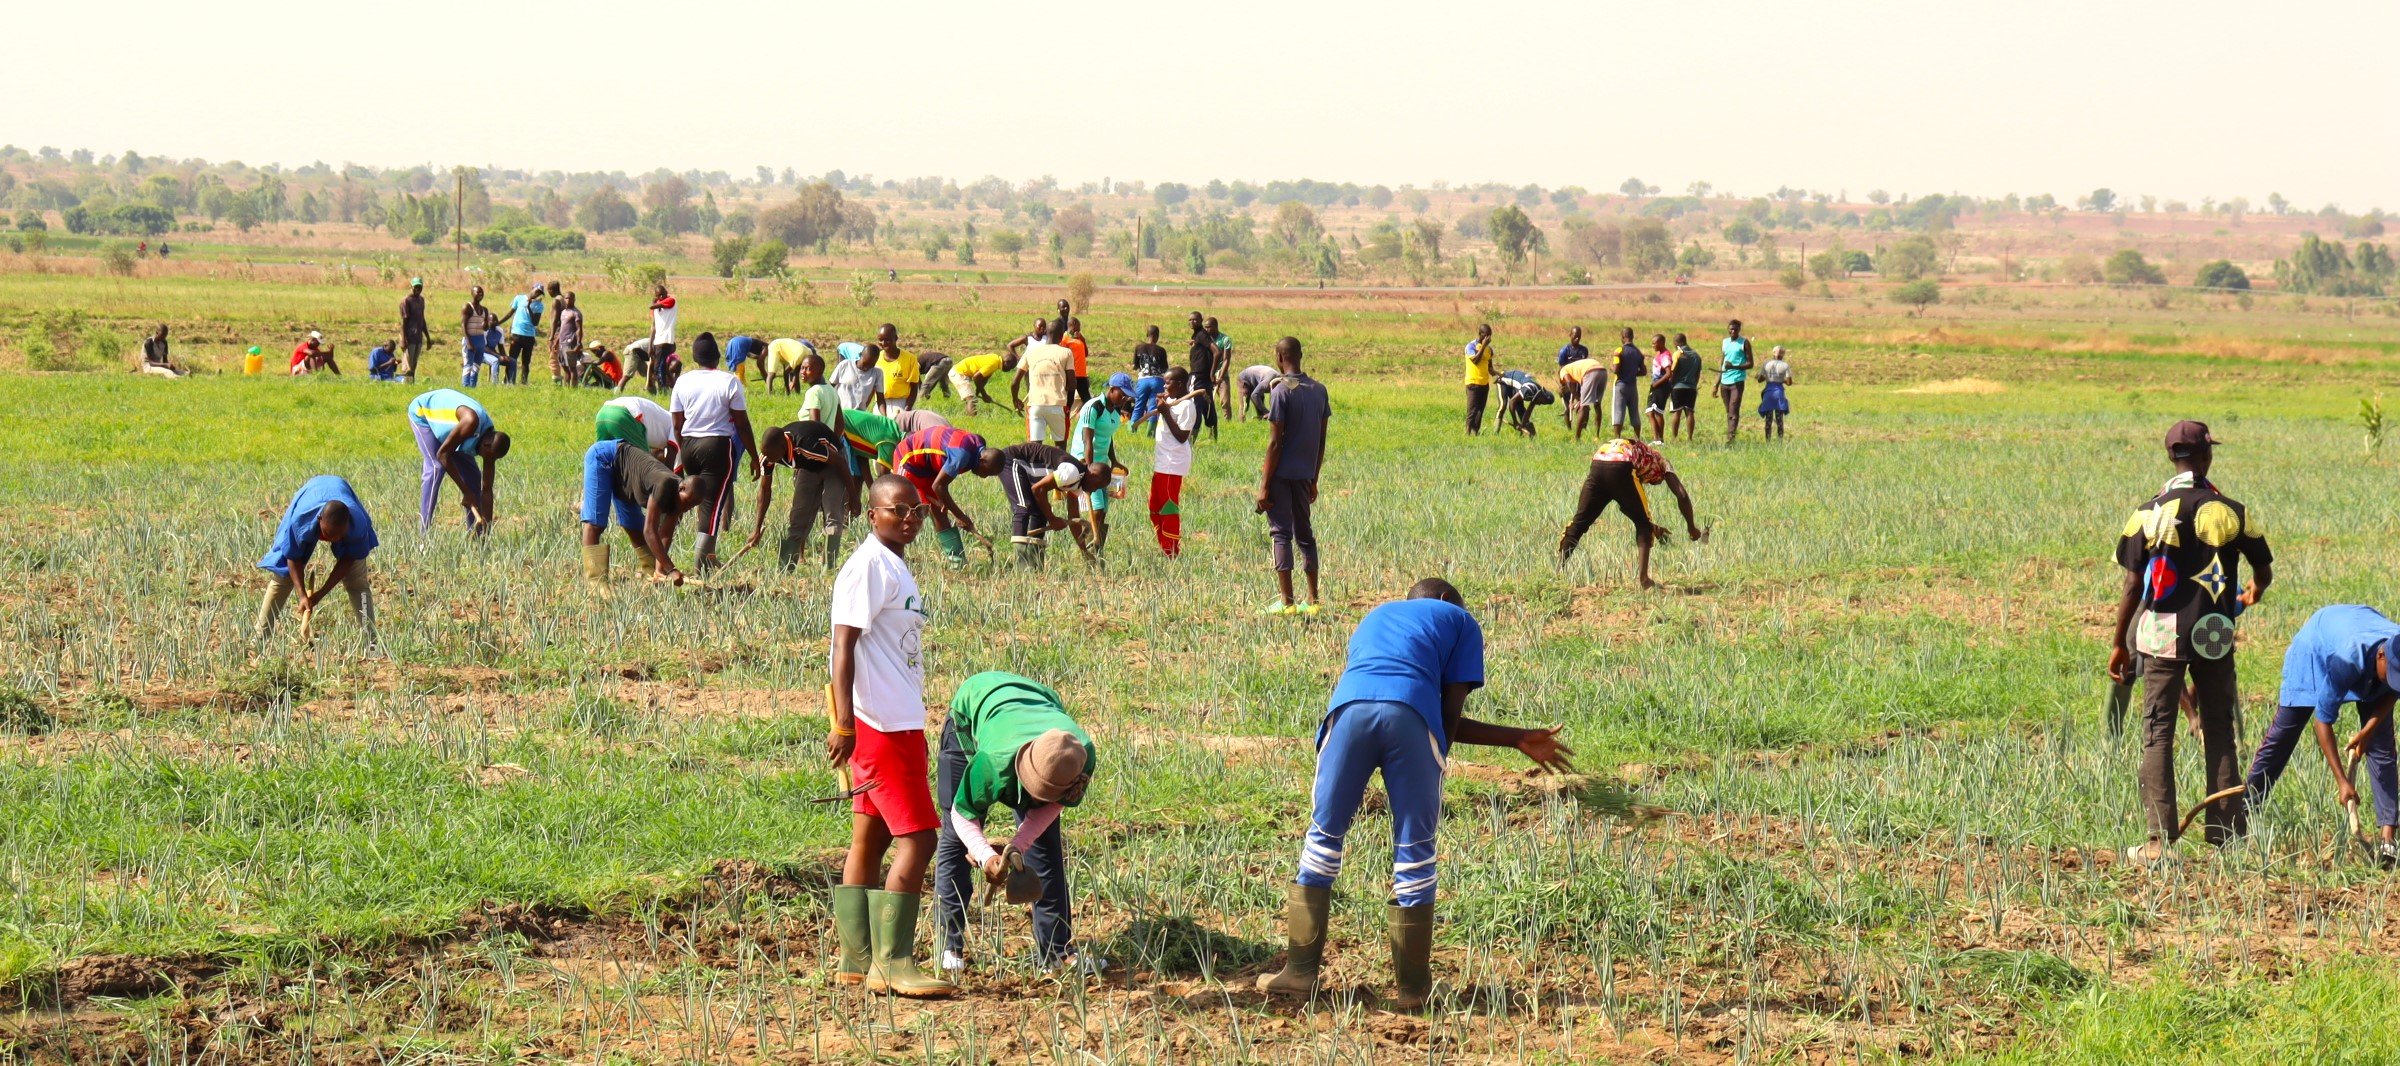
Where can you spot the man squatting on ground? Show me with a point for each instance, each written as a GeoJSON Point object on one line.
{"type": "Point", "coordinates": [453, 430]}
{"type": "Point", "coordinates": [712, 419]}
{"type": "Point", "coordinates": [879, 733]}
{"type": "Point", "coordinates": [2342, 654]}
{"type": "Point", "coordinates": [621, 471]}
{"type": "Point", "coordinates": [1008, 741]}
{"type": "Point", "coordinates": [325, 510]}
{"type": "Point", "coordinates": [1401, 702]}
{"type": "Point", "coordinates": [1297, 411]}
{"type": "Point", "coordinates": [1620, 470]}
{"type": "Point", "coordinates": [2182, 553]}
{"type": "Point", "coordinates": [820, 488]}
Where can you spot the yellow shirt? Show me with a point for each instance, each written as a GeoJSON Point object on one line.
{"type": "Point", "coordinates": [900, 375]}
{"type": "Point", "coordinates": [1573, 373]}
{"type": "Point", "coordinates": [979, 368]}
{"type": "Point", "coordinates": [1479, 364]}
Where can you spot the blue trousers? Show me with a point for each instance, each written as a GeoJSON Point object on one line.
{"type": "Point", "coordinates": [1361, 738]}
{"type": "Point", "coordinates": [954, 874]}
{"type": "Point", "coordinates": [600, 490]}
{"type": "Point", "coordinates": [2291, 729]}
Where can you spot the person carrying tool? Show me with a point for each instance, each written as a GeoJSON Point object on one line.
{"type": "Point", "coordinates": [452, 431]}
{"type": "Point", "coordinates": [878, 696]}
{"type": "Point", "coordinates": [1401, 702]}
{"type": "Point", "coordinates": [1009, 742]}
{"type": "Point", "coordinates": [821, 489]}
{"type": "Point", "coordinates": [931, 459]}
{"type": "Point", "coordinates": [623, 476]}
{"type": "Point", "coordinates": [325, 511]}
{"type": "Point", "coordinates": [1030, 474]}
{"type": "Point", "coordinates": [2342, 654]}
{"type": "Point", "coordinates": [2182, 554]}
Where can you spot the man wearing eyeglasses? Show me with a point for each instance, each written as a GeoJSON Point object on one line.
{"type": "Point", "coordinates": [1008, 741]}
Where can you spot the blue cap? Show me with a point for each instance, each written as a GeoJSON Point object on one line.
{"type": "Point", "coordinates": [1121, 380]}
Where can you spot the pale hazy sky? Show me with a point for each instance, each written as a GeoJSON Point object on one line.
{"type": "Point", "coordinates": [2181, 99]}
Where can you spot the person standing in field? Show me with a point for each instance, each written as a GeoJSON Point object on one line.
{"type": "Point", "coordinates": [2342, 654]}
{"type": "Point", "coordinates": [821, 489]}
{"type": "Point", "coordinates": [524, 327]}
{"type": "Point", "coordinates": [1621, 471]}
{"type": "Point", "coordinates": [860, 382]}
{"type": "Point", "coordinates": [878, 620]}
{"type": "Point", "coordinates": [1297, 412]}
{"type": "Point", "coordinates": [478, 324]}
{"type": "Point", "coordinates": [1399, 706]}
{"type": "Point", "coordinates": [1625, 395]}
{"type": "Point", "coordinates": [1045, 376]}
{"type": "Point", "coordinates": [624, 476]}
{"type": "Point", "coordinates": [2182, 554]}
{"type": "Point", "coordinates": [1201, 361]}
{"type": "Point", "coordinates": [900, 371]}
{"type": "Point", "coordinates": [1039, 332]}
{"type": "Point", "coordinates": [712, 420]}
{"type": "Point", "coordinates": [1773, 405]}
{"type": "Point", "coordinates": [1008, 741]}
{"type": "Point", "coordinates": [1080, 390]}
{"type": "Point", "coordinates": [1031, 474]}
{"type": "Point", "coordinates": [453, 430]}
{"type": "Point", "coordinates": [1149, 373]}
{"type": "Point", "coordinates": [971, 378]}
{"type": "Point", "coordinates": [1171, 458]}
{"type": "Point", "coordinates": [325, 511]}
{"type": "Point", "coordinates": [1224, 362]}
{"type": "Point", "coordinates": [1683, 391]}
{"type": "Point", "coordinates": [1569, 354]}
{"type": "Point", "coordinates": [1732, 376]}
{"type": "Point", "coordinates": [562, 364]}
{"type": "Point", "coordinates": [1095, 442]}
{"type": "Point", "coordinates": [413, 332]}
{"type": "Point", "coordinates": [1662, 385]}
{"type": "Point", "coordinates": [1584, 384]}
{"type": "Point", "coordinates": [662, 340]}
{"type": "Point", "coordinates": [566, 340]}
{"type": "Point", "coordinates": [1480, 373]}
{"type": "Point", "coordinates": [932, 459]}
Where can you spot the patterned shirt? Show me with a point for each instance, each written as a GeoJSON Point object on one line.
{"type": "Point", "coordinates": [1648, 464]}
{"type": "Point", "coordinates": [2187, 545]}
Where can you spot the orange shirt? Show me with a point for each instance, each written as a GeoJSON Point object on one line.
{"type": "Point", "coordinates": [1076, 345]}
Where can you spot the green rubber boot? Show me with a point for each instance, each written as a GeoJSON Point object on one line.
{"type": "Point", "coordinates": [1412, 955]}
{"type": "Point", "coordinates": [850, 924]}
{"type": "Point", "coordinates": [954, 546]}
{"type": "Point", "coordinates": [1305, 910]}
{"type": "Point", "coordinates": [894, 967]}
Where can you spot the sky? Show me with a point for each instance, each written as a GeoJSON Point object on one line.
{"type": "Point", "coordinates": [2182, 100]}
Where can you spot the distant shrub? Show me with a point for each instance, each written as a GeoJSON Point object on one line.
{"type": "Point", "coordinates": [1919, 293]}
{"type": "Point", "coordinates": [1910, 258]}
{"type": "Point", "coordinates": [1792, 278]}
{"type": "Point", "coordinates": [769, 257]}
{"type": "Point", "coordinates": [1079, 293]}
{"type": "Point", "coordinates": [2221, 274]}
{"type": "Point", "coordinates": [2080, 269]}
{"type": "Point", "coordinates": [30, 219]}
{"type": "Point", "coordinates": [2127, 267]}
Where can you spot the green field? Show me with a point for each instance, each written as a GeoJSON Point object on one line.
{"type": "Point", "coordinates": [1848, 794]}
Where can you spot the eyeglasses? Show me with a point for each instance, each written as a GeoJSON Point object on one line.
{"type": "Point", "coordinates": [911, 511]}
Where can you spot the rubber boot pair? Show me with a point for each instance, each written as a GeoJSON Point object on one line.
{"type": "Point", "coordinates": [1029, 554]}
{"type": "Point", "coordinates": [878, 932]}
{"type": "Point", "coordinates": [647, 561]}
{"type": "Point", "coordinates": [954, 546]}
{"type": "Point", "coordinates": [595, 563]}
{"type": "Point", "coordinates": [1305, 913]}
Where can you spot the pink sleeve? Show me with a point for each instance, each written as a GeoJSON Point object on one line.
{"type": "Point", "coordinates": [970, 833]}
{"type": "Point", "coordinates": [1034, 826]}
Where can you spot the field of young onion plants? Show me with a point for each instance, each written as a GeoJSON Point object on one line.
{"type": "Point", "coordinates": [1847, 792]}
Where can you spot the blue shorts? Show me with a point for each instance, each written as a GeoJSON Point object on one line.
{"type": "Point", "coordinates": [600, 488]}
{"type": "Point", "coordinates": [1771, 400]}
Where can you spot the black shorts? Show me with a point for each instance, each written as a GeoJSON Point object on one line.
{"type": "Point", "coordinates": [1658, 398]}
{"type": "Point", "coordinates": [1683, 397]}
{"type": "Point", "coordinates": [709, 462]}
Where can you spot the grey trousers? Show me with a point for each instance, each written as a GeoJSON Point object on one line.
{"type": "Point", "coordinates": [2214, 693]}
{"type": "Point", "coordinates": [815, 496]}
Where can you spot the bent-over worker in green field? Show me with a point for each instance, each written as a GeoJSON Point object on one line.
{"type": "Point", "coordinates": [623, 473]}
{"type": "Point", "coordinates": [325, 511]}
{"type": "Point", "coordinates": [820, 489]}
{"type": "Point", "coordinates": [2342, 654]}
{"type": "Point", "coordinates": [453, 430]}
{"type": "Point", "coordinates": [1620, 471]}
{"type": "Point", "coordinates": [1008, 742]}
{"type": "Point", "coordinates": [2182, 554]}
{"type": "Point", "coordinates": [1401, 702]}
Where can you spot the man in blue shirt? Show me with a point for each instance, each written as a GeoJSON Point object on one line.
{"type": "Point", "coordinates": [2340, 655]}
{"type": "Point", "coordinates": [1399, 706]}
{"type": "Point", "coordinates": [324, 511]}
{"type": "Point", "coordinates": [742, 349]}
{"type": "Point", "coordinates": [524, 323]}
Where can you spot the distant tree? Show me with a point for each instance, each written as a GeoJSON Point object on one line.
{"type": "Point", "coordinates": [1648, 247]}
{"type": "Point", "coordinates": [1010, 243]}
{"type": "Point", "coordinates": [30, 219]}
{"type": "Point", "coordinates": [1698, 190]}
{"type": "Point", "coordinates": [1217, 189]}
{"type": "Point", "coordinates": [806, 220]}
{"type": "Point", "coordinates": [728, 254]}
{"type": "Point", "coordinates": [606, 211]}
{"type": "Point", "coordinates": [1792, 278]}
{"type": "Point", "coordinates": [1243, 194]}
{"type": "Point", "coordinates": [1429, 237]}
{"type": "Point", "coordinates": [141, 218]}
{"type": "Point", "coordinates": [1471, 226]}
{"type": "Point", "coordinates": [2362, 226]}
{"type": "Point", "coordinates": [1826, 265]}
{"type": "Point", "coordinates": [2221, 274]}
{"type": "Point", "coordinates": [1170, 193]}
{"type": "Point", "coordinates": [2127, 267]}
{"type": "Point", "coordinates": [1878, 197]}
{"type": "Point", "coordinates": [1379, 197]}
{"type": "Point", "coordinates": [1918, 293]}
{"type": "Point", "coordinates": [2277, 204]}
{"type": "Point", "coordinates": [1529, 195]}
{"type": "Point", "coordinates": [1416, 201]}
{"type": "Point", "coordinates": [2101, 199]}
{"type": "Point", "coordinates": [1597, 244]}
{"type": "Point", "coordinates": [1636, 187]}
{"type": "Point", "coordinates": [1295, 225]}
{"type": "Point", "coordinates": [769, 257]}
{"type": "Point", "coordinates": [1078, 225]}
{"type": "Point", "coordinates": [1511, 230]}
{"type": "Point", "coordinates": [244, 213]}
{"type": "Point", "coordinates": [77, 219]}
{"type": "Point", "coordinates": [1696, 256]}
{"type": "Point", "coordinates": [1910, 258]}
{"type": "Point", "coordinates": [1742, 233]}
{"type": "Point", "coordinates": [740, 223]}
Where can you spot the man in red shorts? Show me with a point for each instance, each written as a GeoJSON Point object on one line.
{"type": "Point", "coordinates": [879, 731]}
{"type": "Point", "coordinates": [931, 459]}
{"type": "Point", "coordinates": [1620, 469]}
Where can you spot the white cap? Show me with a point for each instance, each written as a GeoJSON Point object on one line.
{"type": "Point", "coordinates": [315, 336]}
{"type": "Point", "coordinates": [1067, 474]}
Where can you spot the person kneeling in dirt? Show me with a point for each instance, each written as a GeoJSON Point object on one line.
{"type": "Point", "coordinates": [325, 510]}
{"type": "Point", "coordinates": [620, 472]}
{"type": "Point", "coordinates": [2342, 654]}
{"type": "Point", "coordinates": [1009, 741]}
{"type": "Point", "coordinates": [1620, 469]}
{"type": "Point", "coordinates": [1400, 704]}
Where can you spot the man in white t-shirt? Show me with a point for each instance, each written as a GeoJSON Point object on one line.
{"type": "Point", "coordinates": [662, 339]}
{"type": "Point", "coordinates": [878, 694]}
{"type": "Point", "coordinates": [712, 420]}
{"type": "Point", "coordinates": [860, 382]}
{"type": "Point", "coordinates": [1178, 417]}
{"type": "Point", "coordinates": [1044, 376]}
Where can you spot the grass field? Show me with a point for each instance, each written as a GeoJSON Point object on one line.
{"type": "Point", "coordinates": [1847, 795]}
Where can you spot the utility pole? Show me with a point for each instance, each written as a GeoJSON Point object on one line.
{"type": "Point", "coordinates": [458, 222]}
